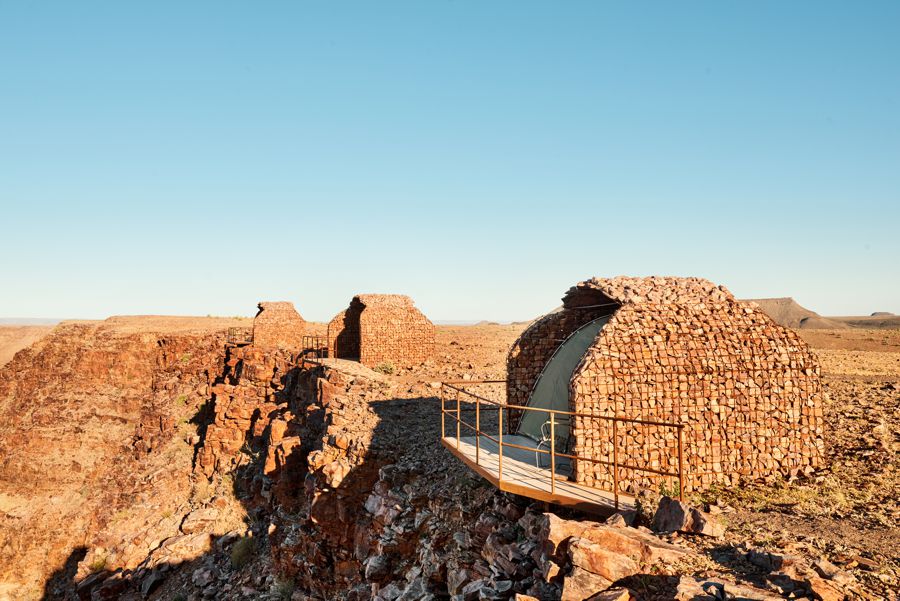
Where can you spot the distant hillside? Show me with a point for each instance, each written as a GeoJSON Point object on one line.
{"type": "Point", "coordinates": [787, 312]}
{"type": "Point", "coordinates": [29, 321]}
{"type": "Point", "coordinates": [879, 321]}
{"type": "Point", "coordinates": [14, 338]}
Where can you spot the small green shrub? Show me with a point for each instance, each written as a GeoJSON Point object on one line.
{"type": "Point", "coordinates": [181, 400]}
{"type": "Point", "coordinates": [122, 514]}
{"type": "Point", "coordinates": [98, 565]}
{"type": "Point", "coordinates": [667, 490]}
{"type": "Point", "coordinates": [284, 589]}
{"type": "Point", "coordinates": [242, 552]}
{"type": "Point", "coordinates": [203, 490]}
{"type": "Point", "coordinates": [386, 368]}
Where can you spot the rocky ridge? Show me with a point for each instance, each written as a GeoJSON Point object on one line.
{"type": "Point", "coordinates": [94, 439]}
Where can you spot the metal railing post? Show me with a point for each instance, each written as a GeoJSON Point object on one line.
{"type": "Point", "coordinates": [638, 425]}
{"type": "Point", "coordinates": [615, 438]}
{"type": "Point", "coordinates": [552, 454]}
{"type": "Point", "coordinates": [680, 467]}
{"type": "Point", "coordinates": [500, 444]}
{"type": "Point", "coordinates": [458, 419]}
{"type": "Point", "coordinates": [477, 432]}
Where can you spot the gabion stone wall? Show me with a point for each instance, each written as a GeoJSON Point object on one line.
{"type": "Point", "coordinates": [684, 350]}
{"type": "Point", "coordinates": [278, 325]}
{"type": "Point", "coordinates": [381, 328]}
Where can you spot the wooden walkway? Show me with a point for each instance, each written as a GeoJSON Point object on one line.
{"type": "Point", "coordinates": [522, 477]}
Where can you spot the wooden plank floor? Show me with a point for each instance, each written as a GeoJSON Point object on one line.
{"type": "Point", "coordinates": [522, 477]}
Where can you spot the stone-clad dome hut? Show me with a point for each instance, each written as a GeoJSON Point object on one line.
{"type": "Point", "coordinates": [676, 350]}
{"type": "Point", "coordinates": [381, 328]}
{"type": "Point", "coordinates": [278, 325]}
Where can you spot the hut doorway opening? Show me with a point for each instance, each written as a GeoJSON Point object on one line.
{"type": "Point", "coordinates": [347, 340]}
{"type": "Point", "coordinates": [551, 391]}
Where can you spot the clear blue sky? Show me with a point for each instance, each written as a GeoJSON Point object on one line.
{"type": "Point", "coordinates": [194, 158]}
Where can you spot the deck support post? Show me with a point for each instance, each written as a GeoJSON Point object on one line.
{"type": "Point", "coordinates": [615, 438]}
{"type": "Point", "coordinates": [477, 432]}
{"type": "Point", "coordinates": [680, 467]}
{"type": "Point", "coordinates": [458, 419]}
{"type": "Point", "coordinates": [552, 453]}
{"type": "Point", "coordinates": [527, 479]}
{"type": "Point", "coordinates": [500, 444]}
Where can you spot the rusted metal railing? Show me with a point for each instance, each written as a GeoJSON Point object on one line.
{"type": "Point", "coordinates": [315, 345]}
{"type": "Point", "coordinates": [313, 348]}
{"type": "Point", "coordinates": [239, 336]}
{"type": "Point", "coordinates": [553, 417]}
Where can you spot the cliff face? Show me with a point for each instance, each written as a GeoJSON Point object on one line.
{"type": "Point", "coordinates": [93, 431]}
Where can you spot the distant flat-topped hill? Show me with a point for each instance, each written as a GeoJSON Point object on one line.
{"type": "Point", "coordinates": [787, 312]}
{"type": "Point", "coordinates": [14, 338]}
{"type": "Point", "coordinates": [876, 321]}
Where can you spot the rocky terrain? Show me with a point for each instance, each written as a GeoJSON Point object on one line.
{"type": "Point", "coordinates": [147, 460]}
{"type": "Point", "coordinates": [95, 438]}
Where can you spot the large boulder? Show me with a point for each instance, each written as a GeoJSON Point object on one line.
{"type": "Point", "coordinates": [642, 547]}
{"type": "Point", "coordinates": [673, 515]}
{"type": "Point", "coordinates": [200, 520]}
{"type": "Point", "coordinates": [581, 584]}
{"type": "Point", "coordinates": [601, 560]}
{"type": "Point", "coordinates": [592, 556]}
{"type": "Point", "coordinates": [715, 589]}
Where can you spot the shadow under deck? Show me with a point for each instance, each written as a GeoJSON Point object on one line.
{"type": "Point", "coordinates": [521, 475]}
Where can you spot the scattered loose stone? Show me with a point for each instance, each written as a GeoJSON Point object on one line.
{"type": "Point", "coordinates": [673, 515]}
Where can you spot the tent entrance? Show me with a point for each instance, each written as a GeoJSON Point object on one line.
{"type": "Point", "coordinates": [551, 390]}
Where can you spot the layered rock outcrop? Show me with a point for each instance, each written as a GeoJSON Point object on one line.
{"type": "Point", "coordinates": [255, 385]}
{"type": "Point", "coordinates": [94, 432]}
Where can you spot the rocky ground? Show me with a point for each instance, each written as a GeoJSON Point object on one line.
{"type": "Point", "coordinates": [329, 483]}
{"type": "Point", "coordinates": [847, 513]}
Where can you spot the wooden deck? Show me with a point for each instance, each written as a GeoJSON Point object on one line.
{"type": "Point", "coordinates": [522, 477]}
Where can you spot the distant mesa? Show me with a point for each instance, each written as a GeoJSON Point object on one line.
{"type": "Point", "coordinates": [881, 320]}
{"type": "Point", "coordinates": [788, 313]}
{"type": "Point", "coordinates": [30, 321]}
